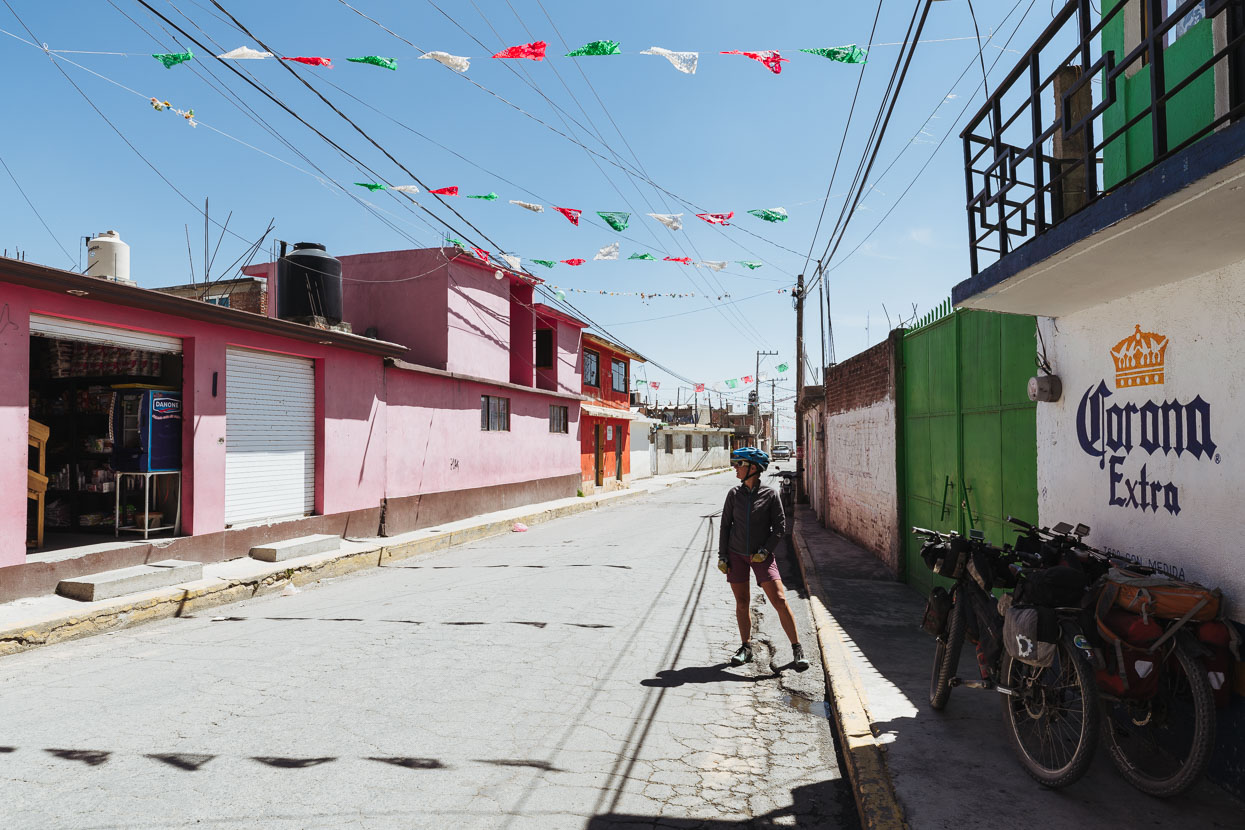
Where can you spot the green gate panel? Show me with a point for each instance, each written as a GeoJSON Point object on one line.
{"type": "Point", "coordinates": [969, 430]}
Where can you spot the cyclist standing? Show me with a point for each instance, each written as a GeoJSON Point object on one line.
{"type": "Point", "coordinates": [752, 526]}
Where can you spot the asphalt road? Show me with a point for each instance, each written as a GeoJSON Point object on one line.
{"type": "Point", "coordinates": [574, 676]}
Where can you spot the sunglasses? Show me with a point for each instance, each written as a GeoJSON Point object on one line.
{"type": "Point", "coordinates": [738, 463]}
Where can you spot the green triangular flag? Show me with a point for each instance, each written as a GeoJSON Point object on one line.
{"type": "Point", "coordinates": [642, 256]}
{"type": "Point", "coordinates": [372, 186]}
{"type": "Point", "coordinates": [751, 266]}
{"type": "Point", "coordinates": [770, 214]}
{"type": "Point", "coordinates": [548, 263]}
{"type": "Point", "coordinates": [172, 59]}
{"type": "Point", "coordinates": [617, 221]}
{"type": "Point", "coordinates": [376, 60]}
{"type": "Point", "coordinates": [733, 382]}
{"type": "Point", "coordinates": [843, 54]}
{"type": "Point", "coordinates": [488, 197]}
{"type": "Point", "coordinates": [782, 367]}
{"type": "Point", "coordinates": [639, 382]}
{"type": "Point", "coordinates": [597, 47]}
{"type": "Point", "coordinates": [458, 243]}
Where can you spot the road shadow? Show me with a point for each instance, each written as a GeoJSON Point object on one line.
{"type": "Point", "coordinates": [671, 678]}
{"type": "Point", "coordinates": [826, 804]}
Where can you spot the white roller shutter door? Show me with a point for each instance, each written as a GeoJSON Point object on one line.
{"type": "Point", "coordinates": [62, 328]}
{"type": "Point", "coordinates": [270, 435]}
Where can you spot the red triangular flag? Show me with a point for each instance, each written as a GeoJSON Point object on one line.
{"type": "Point", "coordinates": [655, 384]}
{"type": "Point", "coordinates": [312, 61]}
{"type": "Point", "coordinates": [700, 387]}
{"type": "Point", "coordinates": [445, 191]}
{"type": "Point", "coordinates": [716, 218]}
{"type": "Point", "coordinates": [531, 51]}
{"type": "Point", "coordinates": [747, 378]}
{"type": "Point", "coordinates": [570, 213]}
{"type": "Point", "coordinates": [573, 261]}
{"type": "Point", "coordinates": [481, 253]}
{"type": "Point", "coordinates": [772, 60]}
{"type": "Point", "coordinates": [686, 260]}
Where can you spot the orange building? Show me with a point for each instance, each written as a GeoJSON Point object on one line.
{"type": "Point", "coordinates": [605, 420]}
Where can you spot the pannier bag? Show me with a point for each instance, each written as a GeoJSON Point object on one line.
{"type": "Point", "coordinates": [1220, 639]}
{"type": "Point", "coordinates": [947, 559]}
{"type": "Point", "coordinates": [1132, 669]}
{"type": "Point", "coordinates": [1020, 637]}
{"type": "Point", "coordinates": [1159, 596]}
{"type": "Point", "coordinates": [937, 612]}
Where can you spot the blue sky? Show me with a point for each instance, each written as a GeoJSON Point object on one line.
{"type": "Point", "coordinates": [731, 137]}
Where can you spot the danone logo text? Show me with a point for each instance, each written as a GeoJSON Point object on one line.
{"type": "Point", "coordinates": [1112, 430]}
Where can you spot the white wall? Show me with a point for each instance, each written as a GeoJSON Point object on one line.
{"type": "Point", "coordinates": [682, 461]}
{"type": "Point", "coordinates": [638, 436]}
{"type": "Point", "coordinates": [861, 486]}
{"type": "Point", "coordinates": [1189, 518]}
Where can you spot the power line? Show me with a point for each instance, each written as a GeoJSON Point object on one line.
{"type": "Point", "coordinates": [72, 262]}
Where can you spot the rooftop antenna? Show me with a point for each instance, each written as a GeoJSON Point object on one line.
{"type": "Point", "coordinates": [189, 255]}
{"type": "Point", "coordinates": [206, 276]}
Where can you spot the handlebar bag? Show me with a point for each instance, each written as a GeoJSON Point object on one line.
{"type": "Point", "coordinates": [937, 612]}
{"type": "Point", "coordinates": [1056, 587]}
{"type": "Point", "coordinates": [1020, 637]}
{"type": "Point", "coordinates": [947, 558]}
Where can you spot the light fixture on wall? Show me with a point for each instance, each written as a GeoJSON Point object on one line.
{"type": "Point", "coordinates": [1045, 388]}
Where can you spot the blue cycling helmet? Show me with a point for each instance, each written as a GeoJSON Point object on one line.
{"type": "Point", "coordinates": [752, 455]}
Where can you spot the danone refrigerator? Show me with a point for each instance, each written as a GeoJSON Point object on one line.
{"type": "Point", "coordinates": [147, 431]}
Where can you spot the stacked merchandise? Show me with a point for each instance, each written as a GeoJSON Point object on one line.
{"type": "Point", "coordinates": [81, 360]}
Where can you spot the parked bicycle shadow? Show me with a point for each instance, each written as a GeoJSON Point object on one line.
{"type": "Point", "coordinates": [826, 804]}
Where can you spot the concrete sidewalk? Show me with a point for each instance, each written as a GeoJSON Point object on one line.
{"type": "Point", "coordinates": [911, 765]}
{"type": "Point", "coordinates": [38, 621]}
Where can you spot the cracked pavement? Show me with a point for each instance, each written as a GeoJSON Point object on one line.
{"type": "Point", "coordinates": [573, 676]}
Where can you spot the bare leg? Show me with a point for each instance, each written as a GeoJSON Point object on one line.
{"type": "Point", "coordinates": [778, 598]}
{"type": "Point", "coordinates": [743, 614]}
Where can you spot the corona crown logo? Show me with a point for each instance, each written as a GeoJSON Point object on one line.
{"type": "Point", "coordinates": [1139, 359]}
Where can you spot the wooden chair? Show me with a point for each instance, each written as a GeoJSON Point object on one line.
{"type": "Point", "coordinates": [37, 480]}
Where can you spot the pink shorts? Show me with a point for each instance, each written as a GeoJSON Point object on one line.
{"type": "Point", "coordinates": [766, 571]}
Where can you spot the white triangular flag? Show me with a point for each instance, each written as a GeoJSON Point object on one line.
{"type": "Point", "coordinates": [245, 53]}
{"type": "Point", "coordinates": [458, 64]}
{"type": "Point", "coordinates": [685, 62]}
{"type": "Point", "coordinates": [673, 221]}
{"type": "Point", "coordinates": [512, 260]}
{"type": "Point", "coordinates": [405, 188]}
{"type": "Point", "coordinates": [716, 265]}
{"type": "Point", "coordinates": [528, 205]}
{"type": "Point", "coordinates": [610, 251]}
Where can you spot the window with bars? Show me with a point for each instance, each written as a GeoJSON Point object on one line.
{"type": "Point", "coordinates": [592, 368]}
{"type": "Point", "coordinates": [557, 418]}
{"type": "Point", "coordinates": [704, 443]}
{"type": "Point", "coordinates": [687, 443]}
{"type": "Point", "coordinates": [494, 414]}
{"type": "Point", "coordinates": [670, 444]}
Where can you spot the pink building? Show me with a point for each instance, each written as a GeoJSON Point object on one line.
{"type": "Point", "coordinates": [286, 429]}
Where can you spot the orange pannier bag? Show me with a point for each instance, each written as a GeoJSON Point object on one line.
{"type": "Point", "coordinates": [1158, 595]}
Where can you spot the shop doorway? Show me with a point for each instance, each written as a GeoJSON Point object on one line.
{"type": "Point", "coordinates": [106, 431]}
{"type": "Point", "coordinates": [598, 456]}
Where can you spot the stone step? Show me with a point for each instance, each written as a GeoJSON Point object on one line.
{"type": "Point", "coordinates": [124, 581]}
{"type": "Point", "coordinates": [291, 548]}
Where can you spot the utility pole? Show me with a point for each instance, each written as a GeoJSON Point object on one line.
{"type": "Point", "coordinates": [773, 417]}
{"type": "Point", "coordinates": [799, 389]}
{"type": "Point", "coordinates": [756, 392]}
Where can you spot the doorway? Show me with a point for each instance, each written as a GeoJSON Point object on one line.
{"type": "Point", "coordinates": [620, 448]}
{"type": "Point", "coordinates": [598, 464]}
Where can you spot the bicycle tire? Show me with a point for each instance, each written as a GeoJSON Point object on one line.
{"type": "Point", "coordinates": [947, 656]}
{"type": "Point", "coordinates": [1138, 760]}
{"type": "Point", "coordinates": [1074, 676]}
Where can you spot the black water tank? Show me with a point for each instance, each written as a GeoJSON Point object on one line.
{"type": "Point", "coordinates": [309, 283]}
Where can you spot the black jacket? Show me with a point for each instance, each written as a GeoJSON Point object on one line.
{"type": "Point", "coordinates": [751, 519]}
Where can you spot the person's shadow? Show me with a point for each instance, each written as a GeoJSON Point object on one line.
{"type": "Point", "coordinates": [669, 678]}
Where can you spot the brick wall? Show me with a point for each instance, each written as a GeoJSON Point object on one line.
{"type": "Point", "coordinates": [858, 447]}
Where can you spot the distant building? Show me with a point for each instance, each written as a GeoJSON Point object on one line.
{"type": "Point", "coordinates": [243, 294]}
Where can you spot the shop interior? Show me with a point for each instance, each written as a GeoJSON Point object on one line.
{"type": "Point", "coordinates": [104, 459]}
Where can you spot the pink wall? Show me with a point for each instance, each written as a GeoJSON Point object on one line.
{"type": "Point", "coordinates": [478, 323]}
{"type": "Point", "coordinates": [522, 334]}
{"type": "Point", "coordinates": [352, 470]}
{"type": "Point", "coordinates": [437, 444]}
{"type": "Point", "coordinates": [568, 357]}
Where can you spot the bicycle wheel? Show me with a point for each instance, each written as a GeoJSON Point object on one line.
{"type": "Point", "coordinates": [1052, 716]}
{"type": "Point", "coordinates": [947, 655]}
{"type": "Point", "coordinates": [1162, 746]}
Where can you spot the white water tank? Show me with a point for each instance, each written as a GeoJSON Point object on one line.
{"type": "Point", "coordinates": [108, 257]}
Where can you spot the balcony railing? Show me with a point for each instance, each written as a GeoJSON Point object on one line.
{"type": "Point", "coordinates": [1093, 105]}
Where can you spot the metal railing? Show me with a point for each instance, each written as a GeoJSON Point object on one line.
{"type": "Point", "coordinates": [1050, 141]}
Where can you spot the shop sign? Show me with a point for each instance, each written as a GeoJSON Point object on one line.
{"type": "Point", "coordinates": [1112, 431]}
{"type": "Point", "coordinates": [164, 408]}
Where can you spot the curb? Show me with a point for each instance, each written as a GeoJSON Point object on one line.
{"type": "Point", "coordinates": [870, 775]}
{"type": "Point", "coordinates": [268, 578]}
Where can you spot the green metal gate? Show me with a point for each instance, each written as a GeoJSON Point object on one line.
{"type": "Point", "coordinates": [968, 451]}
